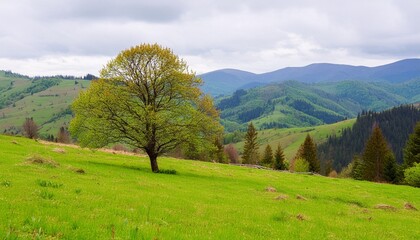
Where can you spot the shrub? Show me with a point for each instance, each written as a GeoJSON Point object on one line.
{"type": "Point", "coordinates": [412, 175]}
{"type": "Point", "coordinates": [333, 174]}
{"type": "Point", "coordinates": [232, 153]}
{"type": "Point", "coordinates": [300, 165]}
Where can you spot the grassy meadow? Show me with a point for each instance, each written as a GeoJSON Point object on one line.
{"type": "Point", "coordinates": [291, 138]}
{"type": "Point", "coordinates": [77, 193]}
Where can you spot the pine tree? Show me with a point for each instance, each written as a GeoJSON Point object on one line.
{"type": "Point", "coordinates": [412, 148]}
{"type": "Point", "coordinates": [267, 159]}
{"type": "Point", "coordinates": [376, 156]}
{"type": "Point", "coordinates": [250, 154]}
{"type": "Point", "coordinates": [357, 168]}
{"type": "Point", "coordinates": [307, 151]}
{"type": "Point", "coordinates": [279, 159]}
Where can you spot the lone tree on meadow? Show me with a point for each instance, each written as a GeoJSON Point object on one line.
{"type": "Point", "coordinates": [307, 151]}
{"type": "Point", "coordinates": [147, 98]}
{"type": "Point", "coordinates": [30, 128]}
{"type": "Point", "coordinates": [412, 148]}
{"type": "Point", "coordinates": [251, 147]}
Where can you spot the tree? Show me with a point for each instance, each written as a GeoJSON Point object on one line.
{"type": "Point", "coordinates": [279, 159]}
{"type": "Point", "coordinates": [63, 135]}
{"type": "Point", "coordinates": [376, 156]}
{"type": "Point", "coordinates": [412, 148]}
{"type": "Point", "coordinates": [219, 152]}
{"type": "Point", "coordinates": [307, 151]}
{"type": "Point", "coordinates": [232, 153]}
{"type": "Point", "coordinates": [30, 128]}
{"type": "Point", "coordinates": [147, 98]}
{"type": "Point", "coordinates": [267, 159]}
{"type": "Point", "coordinates": [300, 165]}
{"type": "Point", "coordinates": [251, 147]}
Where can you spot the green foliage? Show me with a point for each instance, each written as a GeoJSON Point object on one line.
{"type": "Point", "coordinates": [45, 183]}
{"type": "Point", "coordinates": [307, 151]}
{"type": "Point", "coordinates": [412, 175]}
{"type": "Point", "coordinates": [267, 159]}
{"type": "Point", "coordinates": [250, 154]}
{"type": "Point", "coordinates": [279, 159]}
{"type": "Point", "coordinates": [396, 125]}
{"type": "Point", "coordinates": [412, 148]}
{"type": "Point", "coordinates": [376, 157]}
{"type": "Point", "coordinates": [357, 169]}
{"type": "Point", "coordinates": [301, 165]}
{"type": "Point", "coordinates": [156, 106]}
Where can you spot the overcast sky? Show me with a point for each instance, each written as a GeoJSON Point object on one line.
{"type": "Point", "coordinates": [76, 37]}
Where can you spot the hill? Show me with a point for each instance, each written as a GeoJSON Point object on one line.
{"type": "Point", "coordinates": [291, 138]}
{"type": "Point", "coordinates": [295, 104]}
{"type": "Point", "coordinates": [118, 197]}
{"type": "Point", "coordinates": [218, 82]}
{"type": "Point", "coordinates": [396, 125]}
{"type": "Point", "coordinates": [46, 99]}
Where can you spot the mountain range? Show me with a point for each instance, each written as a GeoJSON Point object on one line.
{"type": "Point", "coordinates": [226, 81]}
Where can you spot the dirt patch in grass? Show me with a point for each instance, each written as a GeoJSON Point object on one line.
{"type": "Point", "coordinates": [270, 189]}
{"type": "Point", "coordinates": [39, 160]}
{"type": "Point", "coordinates": [300, 197]}
{"type": "Point", "coordinates": [409, 206]}
{"type": "Point", "coordinates": [59, 150]}
{"type": "Point", "coordinates": [385, 207]}
{"type": "Point", "coordinates": [301, 217]}
{"type": "Point", "coordinates": [281, 197]}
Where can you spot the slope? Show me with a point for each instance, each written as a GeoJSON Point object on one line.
{"type": "Point", "coordinates": [295, 104]}
{"type": "Point", "coordinates": [119, 198]}
{"type": "Point", "coordinates": [47, 100]}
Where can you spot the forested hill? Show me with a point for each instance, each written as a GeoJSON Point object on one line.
{"type": "Point", "coordinates": [296, 104]}
{"type": "Point", "coordinates": [396, 125]}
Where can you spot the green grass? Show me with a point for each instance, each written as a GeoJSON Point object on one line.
{"type": "Point", "coordinates": [118, 197]}
{"type": "Point", "coordinates": [291, 138]}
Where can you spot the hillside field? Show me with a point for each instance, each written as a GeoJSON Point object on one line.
{"type": "Point", "coordinates": [291, 138]}
{"type": "Point", "coordinates": [118, 197]}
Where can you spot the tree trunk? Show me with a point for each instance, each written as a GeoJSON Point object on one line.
{"type": "Point", "coordinates": [153, 163]}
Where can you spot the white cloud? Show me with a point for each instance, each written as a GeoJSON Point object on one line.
{"type": "Point", "coordinates": [251, 35]}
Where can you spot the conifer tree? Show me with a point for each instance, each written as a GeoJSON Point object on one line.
{"type": "Point", "coordinates": [250, 154]}
{"type": "Point", "coordinates": [267, 159]}
{"type": "Point", "coordinates": [412, 148]}
{"type": "Point", "coordinates": [376, 156]}
{"type": "Point", "coordinates": [307, 151]}
{"type": "Point", "coordinates": [279, 159]}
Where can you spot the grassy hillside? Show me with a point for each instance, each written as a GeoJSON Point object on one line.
{"type": "Point", "coordinates": [291, 138]}
{"type": "Point", "coordinates": [294, 104]}
{"type": "Point", "coordinates": [119, 198]}
{"type": "Point", "coordinates": [48, 104]}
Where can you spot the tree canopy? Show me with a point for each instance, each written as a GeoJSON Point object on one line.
{"type": "Point", "coordinates": [146, 97]}
{"type": "Point", "coordinates": [308, 152]}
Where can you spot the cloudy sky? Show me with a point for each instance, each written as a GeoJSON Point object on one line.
{"type": "Point", "coordinates": [75, 37]}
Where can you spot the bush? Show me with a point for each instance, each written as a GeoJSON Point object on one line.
{"type": "Point", "coordinates": [232, 153]}
{"type": "Point", "coordinates": [333, 174]}
{"type": "Point", "coordinates": [412, 175]}
{"type": "Point", "coordinates": [301, 165]}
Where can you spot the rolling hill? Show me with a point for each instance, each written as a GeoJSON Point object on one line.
{"type": "Point", "coordinates": [296, 104]}
{"type": "Point", "coordinates": [221, 83]}
{"type": "Point", "coordinates": [64, 192]}
{"type": "Point", "coordinates": [47, 100]}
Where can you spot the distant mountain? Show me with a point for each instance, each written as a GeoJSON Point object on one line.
{"type": "Point", "coordinates": [297, 104]}
{"type": "Point", "coordinates": [222, 82]}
